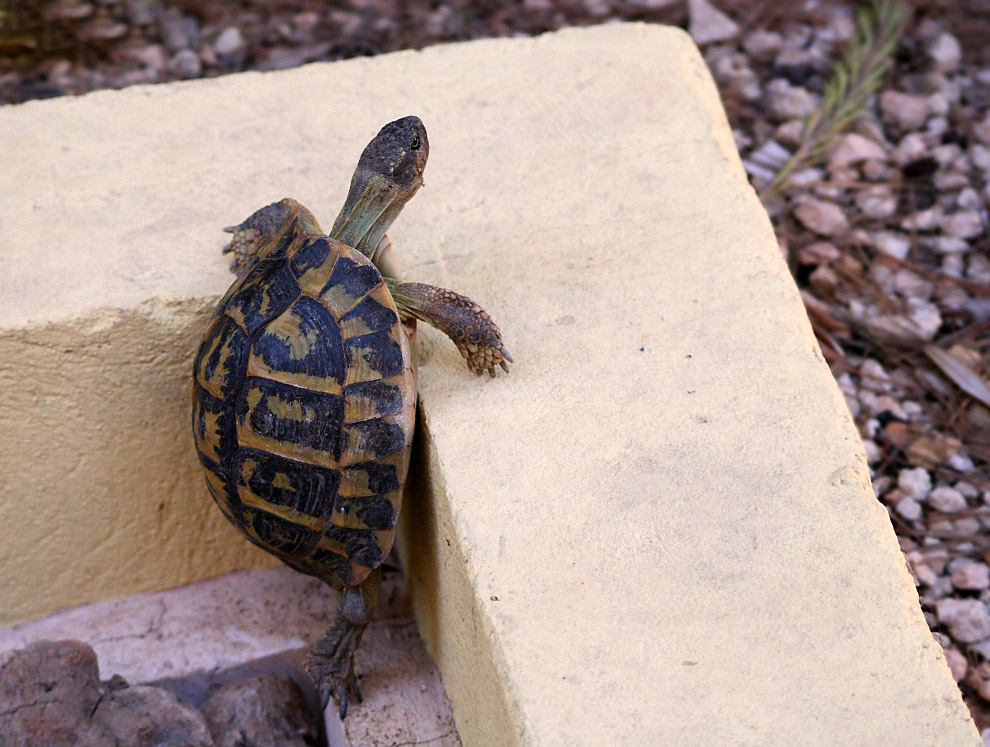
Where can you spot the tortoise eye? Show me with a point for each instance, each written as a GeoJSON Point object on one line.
{"type": "Point", "coordinates": [415, 142]}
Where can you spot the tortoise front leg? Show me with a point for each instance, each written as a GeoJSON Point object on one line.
{"type": "Point", "coordinates": [330, 663]}
{"type": "Point", "coordinates": [461, 319]}
{"type": "Point", "coordinates": [251, 237]}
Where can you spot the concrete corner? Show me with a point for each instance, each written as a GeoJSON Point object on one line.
{"type": "Point", "coordinates": [658, 529]}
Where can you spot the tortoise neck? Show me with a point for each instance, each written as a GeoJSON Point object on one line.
{"type": "Point", "coordinates": [372, 205]}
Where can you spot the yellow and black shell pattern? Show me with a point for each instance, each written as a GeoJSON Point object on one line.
{"type": "Point", "coordinates": [304, 407]}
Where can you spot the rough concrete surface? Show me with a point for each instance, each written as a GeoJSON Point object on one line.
{"type": "Point", "coordinates": [658, 528]}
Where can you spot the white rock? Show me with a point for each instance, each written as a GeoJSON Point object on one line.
{"type": "Point", "coordinates": [708, 24]}
{"type": "Point", "coordinates": [946, 244]}
{"type": "Point", "coordinates": [876, 171]}
{"type": "Point", "coordinates": [952, 263]}
{"type": "Point", "coordinates": [982, 130]}
{"type": "Point", "coordinates": [965, 527]}
{"type": "Point", "coordinates": [873, 452]}
{"type": "Point", "coordinates": [789, 133]}
{"type": "Point", "coordinates": [912, 285]}
{"type": "Point", "coordinates": [806, 177]}
{"type": "Point", "coordinates": [958, 664]}
{"type": "Point", "coordinates": [964, 225]}
{"type": "Point", "coordinates": [945, 52]}
{"type": "Point", "coordinates": [915, 483]}
{"type": "Point", "coordinates": [961, 462]}
{"type": "Point", "coordinates": [979, 156]}
{"type": "Point", "coordinates": [886, 403]}
{"type": "Point", "coordinates": [926, 316]}
{"type": "Point", "coordinates": [925, 575]}
{"type": "Point", "coordinates": [945, 154]}
{"type": "Point", "coordinates": [770, 155]}
{"type": "Point", "coordinates": [974, 576]}
{"type": "Point", "coordinates": [784, 101]}
{"type": "Point", "coordinates": [185, 64]}
{"type": "Point", "coordinates": [893, 244]}
{"type": "Point", "coordinates": [903, 110]}
{"type": "Point", "coordinates": [874, 376]}
{"type": "Point", "coordinates": [968, 619]}
{"type": "Point", "coordinates": [743, 141]}
{"type": "Point", "coordinates": [968, 199]}
{"type": "Point", "coordinates": [910, 148]}
{"type": "Point", "coordinates": [763, 45]}
{"type": "Point", "coordinates": [967, 489]}
{"type": "Point", "coordinates": [876, 201]}
{"type": "Point", "coordinates": [950, 180]}
{"type": "Point", "coordinates": [852, 148]}
{"type": "Point", "coordinates": [819, 253]}
{"type": "Point", "coordinates": [947, 500]}
{"type": "Point", "coordinates": [824, 218]}
{"type": "Point", "coordinates": [938, 104]}
{"type": "Point", "coordinates": [229, 41]}
{"type": "Point", "coordinates": [937, 126]}
{"type": "Point", "coordinates": [909, 509]}
{"type": "Point", "coordinates": [152, 56]}
{"type": "Point", "coordinates": [978, 268]}
{"type": "Point", "coordinates": [922, 220]}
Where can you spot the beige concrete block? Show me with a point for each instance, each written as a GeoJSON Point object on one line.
{"type": "Point", "coordinates": [659, 528]}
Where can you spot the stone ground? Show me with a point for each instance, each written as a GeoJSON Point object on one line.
{"type": "Point", "coordinates": [887, 235]}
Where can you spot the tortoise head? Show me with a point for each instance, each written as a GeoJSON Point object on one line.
{"type": "Point", "coordinates": [388, 174]}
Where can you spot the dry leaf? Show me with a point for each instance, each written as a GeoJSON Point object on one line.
{"type": "Point", "coordinates": [929, 451]}
{"type": "Point", "coordinates": [961, 375]}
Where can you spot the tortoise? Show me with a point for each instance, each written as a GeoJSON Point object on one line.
{"type": "Point", "coordinates": [304, 387]}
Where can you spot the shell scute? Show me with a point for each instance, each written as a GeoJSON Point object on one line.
{"type": "Point", "coordinates": [370, 315]}
{"type": "Point", "coordinates": [291, 422]}
{"type": "Point", "coordinates": [214, 428]}
{"type": "Point", "coordinates": [372, 399]}
{"type": "Point", "coordinates": [275, 482]}
{"type": "Point", "coordinates": [265, 292]}
{"type": "Point", "coordinates": [374, 356]}
{"type": "Point", "coordinates": [222, 358]}
{"type": "Point", "coordinates": [351, 280]}
{"type": "Point", "coordinates": [301, 347]}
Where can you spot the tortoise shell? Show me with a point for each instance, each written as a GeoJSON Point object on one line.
{"type": "Point", "coordinates": [304, 406]}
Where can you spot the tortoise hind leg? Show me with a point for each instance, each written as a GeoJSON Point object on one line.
{"type": "Point", "coordinates": [252, 235]}
{"type": "Point", "coordinates": [474, 333]}
{"type": "Point", "coordinates": [330, 662]}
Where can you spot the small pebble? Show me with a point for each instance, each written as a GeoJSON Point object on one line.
{"type": "Point", "coordinates": [957, 663]}
{"type": "Point", "coordinates": [947, 500]}
{"type": "Point", "coordinates": [967, 619]}
{"type": "Point", "coordinates": [786, 101]}
{"type": "Point", "coordinates": [824, 218]}
{"type": "Point", "coordinates": [185, 64]}
{"type": "Point", "coordinates": [229, 41]}
{"type": "Point", "coordinates": [916, 483]}
{"type": "Point", "coordinates": [963, 225]}
{"type": "Point", "coordinates": [876, 202]}
{"type": "Point", "coordinates": [972, 577]}
{"type": "Point", "coordinates": [945, 53]}
{"type": "Point", "coordinates": [909, 508]}
{"type": "Point", "coordinates": [904, 111]}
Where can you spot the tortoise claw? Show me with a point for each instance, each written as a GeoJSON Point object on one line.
{"type": "Point", "coordinates": [230, 229]}
{"type": "Point", "coordinates": [504, 366]}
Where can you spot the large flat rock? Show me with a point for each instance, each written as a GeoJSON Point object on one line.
{"type": "Point", "coordinates": [658, 528]}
